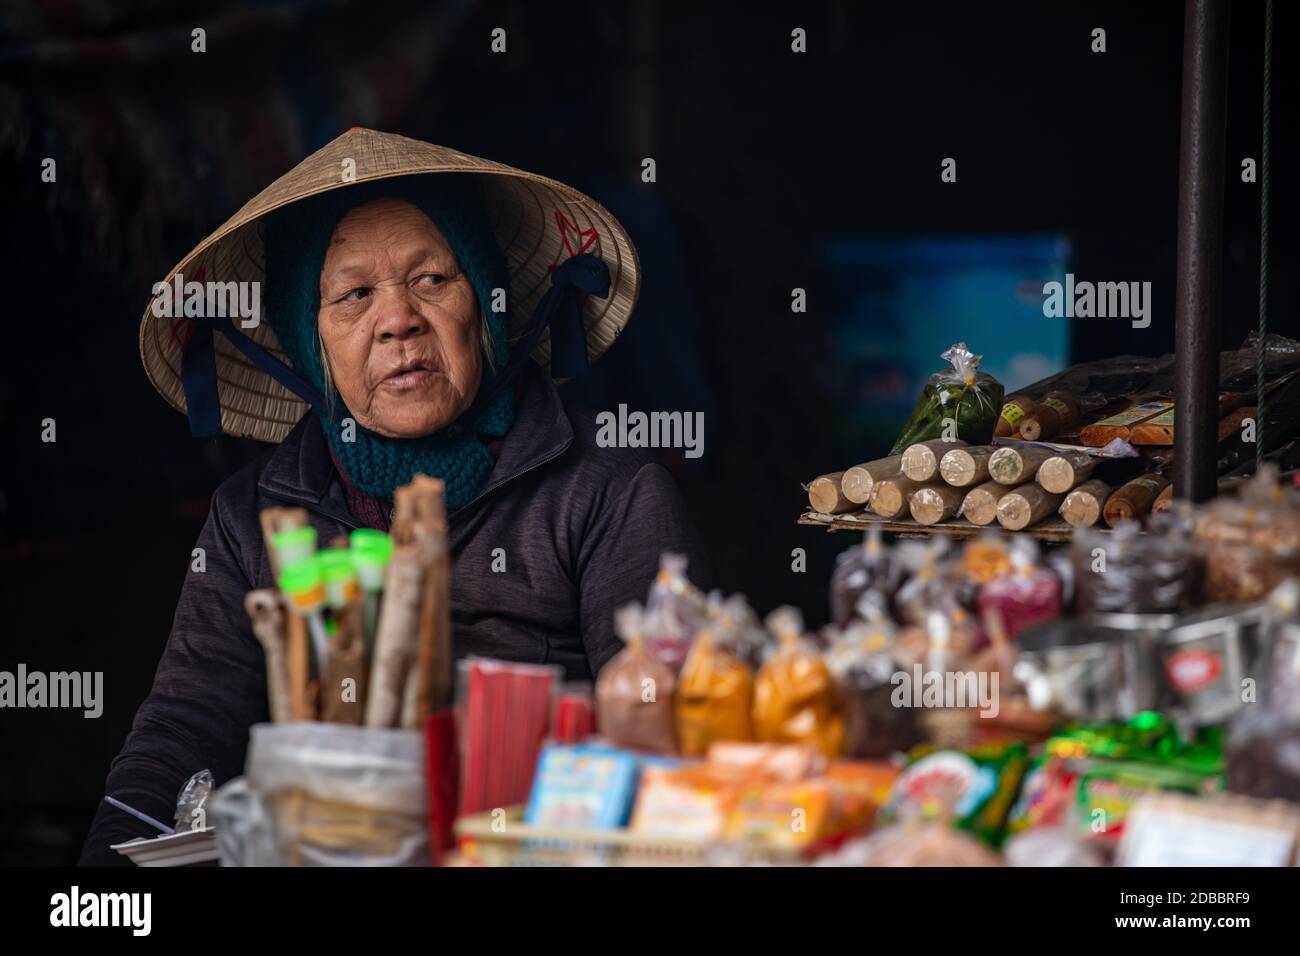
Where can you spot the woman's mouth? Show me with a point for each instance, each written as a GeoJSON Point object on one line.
{"type": "Point", "coordinates": [408, 377]}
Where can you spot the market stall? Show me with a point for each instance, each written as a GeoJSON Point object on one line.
{"type": "Point", "coordinates": [1126, 700]}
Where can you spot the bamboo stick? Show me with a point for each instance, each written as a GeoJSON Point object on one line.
{"type": "Point", "coordinates": [1013, 464]}
{"type": "Point", "coordinates": [1026, 506]}
{"type": "Point", "coordinates": [1082, 507]}
{"type": "Point", "coordinates": [892, 496]}
{"type": "Point", "coordinates": [936, 503]}
{"type": "Point", "coordinates": [965, 467]}
{"type": "Point", "coordinates": [921, 461]}
{"type": "Point", "coordinates": [826, 497]}
{"type": "Point", "coordinates": [980, 506]}
{"type": "Point", "coordinates": [858, 482]}
{"type": "Point", "coordinates": [1065, 470]}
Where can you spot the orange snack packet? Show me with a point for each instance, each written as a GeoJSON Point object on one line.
{"type": "Point", "coordinates": [686, 803]}
{"type": "Point", "coordinates": [715, 692]}
{"type": "Point", "coordinates": [790, 815]}
{"type": "Point", "coordinates": [861, 788]}
{"type": "Point", "coordinates": [795, 699]}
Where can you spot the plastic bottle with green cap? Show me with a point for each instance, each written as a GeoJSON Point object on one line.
{"type": "Point", "coordinates": [294, 545]}
{"type": "Point", "coordinates": [371, 552]}
{"type": "Point", "coordinates": [340, 577]}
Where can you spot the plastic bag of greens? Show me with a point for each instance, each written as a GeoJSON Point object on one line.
{"type": "Point", "coordinates": [964, 394]}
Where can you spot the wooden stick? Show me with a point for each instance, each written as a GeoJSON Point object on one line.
{"type": "Point", "coordinates": [347, 661]}
{"type": "Point", "coordinates": [1055, 414]}
{"type": "Point", "coordinates": [428, 686]}
{"type": "Point", "coordinates": [858, 482]}
{"type": "Point", "coordinates": [964, 467]}
{"type": "Point", "coordinates": [1082, 506]}
{"type": "Point", "coordinates": [267, 613]}
{"type": "Point", "coordinates": [892, 496]}
{"type": "Point", "coordinates": [399, 622]}
{"type": "Point", "coordinates": [1013, 464]}
{"type": "Point", "coordinates": [1134, 499]}
{"type": "Point", "coordinates": [921, 461]}
{"type": "Point", "coordinates": [1065, 470]}
{"type": "Point", "coordinates": [825, 496]}
{"type": "Point", "coordinates": [980, 505]}
{"type": "Point", "coordinates": [935, 503]}
{"type": "Point", "coordinates": [298, 654]}
{"type": "Point", "coordinates": [299, 657]}
{"type": "Point", "coordinates": [1026, 506]}
{"type": "Point", "coordinates": [1164, 501]}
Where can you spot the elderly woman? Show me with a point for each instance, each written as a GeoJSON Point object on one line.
{"type": "Point", "coordinates": [393, 270]}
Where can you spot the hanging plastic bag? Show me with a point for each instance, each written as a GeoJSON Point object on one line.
{"type": "Point", "coordinates": [1251, 542]}
{"type": "Point", "coordinates": [715, 694]}
{"type": "Point", "coordinates": [865, 567]}
{"type": "Point", "coordinates": [634, 691]}
{"type": "Point", "coordinates": [1263, 741]}
{"type": "Point", "coordinates": [963, 394]}
{"type": "Point", "coordinates": [737, 629]}
{"type": "Point", "coordinates": [795, 699]}
{"type": "Point", "coordinates": [675, 611]}
{"type": "Point", "coordinates": [863, 667]}
{"type": "Point", "coordinates": [1026, 594]}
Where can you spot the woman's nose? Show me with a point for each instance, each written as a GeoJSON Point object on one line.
{"type": "Point", "coordinates": [398, 316]}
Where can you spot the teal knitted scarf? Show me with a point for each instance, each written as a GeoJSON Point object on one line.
{"type": "Point", "coordinates": [296, 238]}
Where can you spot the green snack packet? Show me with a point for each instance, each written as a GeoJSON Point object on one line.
{"type": "Point", "coordinates": [975, 787]}
{"type": "Point", "coordinates": [964, 394]}
{"type": "Point", "coordinates": [1108, 791]}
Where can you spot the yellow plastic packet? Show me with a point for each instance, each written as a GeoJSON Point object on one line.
{"type": "Point", "coordinates": [715, 693]}
{"type": "Point", "coordinates": [795, 700]}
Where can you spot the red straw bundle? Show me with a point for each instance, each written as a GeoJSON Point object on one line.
{"type": "Point", "coordinates": [506, 710]}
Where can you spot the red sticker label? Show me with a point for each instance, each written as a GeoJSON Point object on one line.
{"type": "Point", "coordinates": [1190, 671]}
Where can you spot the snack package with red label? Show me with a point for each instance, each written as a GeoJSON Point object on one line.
{"type": "Point", "coordinates": [1089, 775]}
{"type": "Point", "coordinates": [975, 787]}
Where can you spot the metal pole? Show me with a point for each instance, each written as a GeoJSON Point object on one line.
{"type": "Point", "coordinates": [1200, 235]}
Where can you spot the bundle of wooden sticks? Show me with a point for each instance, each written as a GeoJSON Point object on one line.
{"type": "Point", "coordinates": [359, 632]}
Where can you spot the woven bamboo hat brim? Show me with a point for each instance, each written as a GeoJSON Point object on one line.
{"type": "Point", "coordinates": [538, 223]}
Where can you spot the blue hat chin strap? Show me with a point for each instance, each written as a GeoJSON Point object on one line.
{"type": "Point", "coordinates": [560, 310]}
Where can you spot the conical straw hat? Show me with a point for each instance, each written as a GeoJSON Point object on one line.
{"type": "Point", "coordinates": [538, 223]}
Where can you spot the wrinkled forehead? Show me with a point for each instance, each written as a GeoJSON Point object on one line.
{"type": "Point", "coordinates": [385, 221]}
{"type": "Point", "coordinates": [391, 230]}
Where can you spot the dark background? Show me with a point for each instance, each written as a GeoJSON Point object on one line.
{"type": "Point", "coordinates": [761, 153]}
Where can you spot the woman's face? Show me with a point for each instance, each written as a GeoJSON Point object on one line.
{"type": "Point", "coordinates": [399, 321]}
